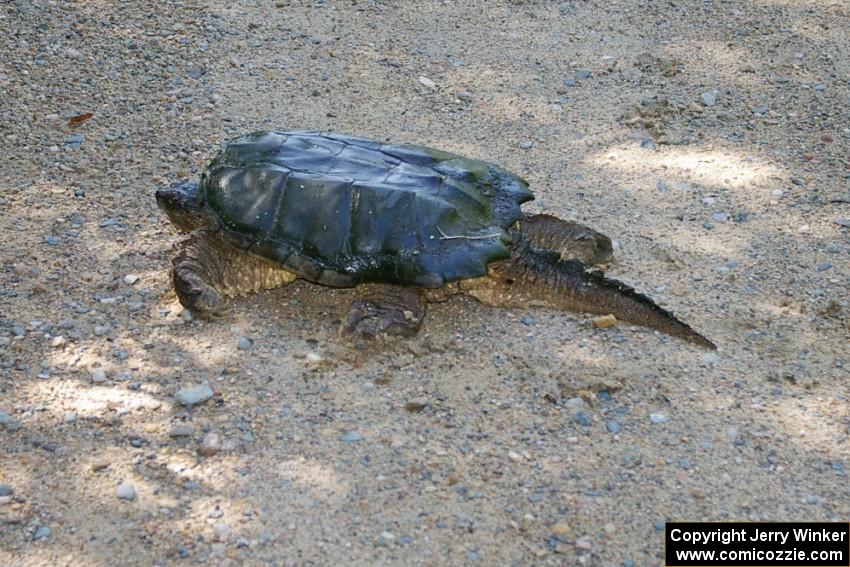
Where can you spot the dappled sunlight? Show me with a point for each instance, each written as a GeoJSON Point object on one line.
{"type": "Point", "coordinates": [90, 400]}
{"type": "Point", "coordinates": [812, 423]}
{"type": "Point", "coordinates": [505, 107]}
{"type": "Point", "coordinates": [311, 474]}
{"type": "Point", "coordinates": [713, 168]}
{"type": "Point", "coordinates": [782, 308]}
{"type": "Point", "coordinates": [693, 239]}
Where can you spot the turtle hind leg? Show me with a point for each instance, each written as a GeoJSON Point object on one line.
{"type": "Point", "coordinates": [208, 272]}
{"type": "Point", "coordinates": [573, 241]}
{"type": "Point", "coordinates": [385, 310]}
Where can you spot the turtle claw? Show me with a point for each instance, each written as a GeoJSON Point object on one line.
{"type": "Point", "coordinates": [203, 300]}
{"type": "Point", "coordinates": [393, 313]}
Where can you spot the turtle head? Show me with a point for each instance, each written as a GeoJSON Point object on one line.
{"type": "Point", "coordinates": [181, 202]}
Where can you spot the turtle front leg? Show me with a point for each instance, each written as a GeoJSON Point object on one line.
{"type": "Point", "coordinates": [385, 310]}
{"type": "Point", "coordinates": [208, 272]}
{"type": "Point", "coordinates": [573, 241]}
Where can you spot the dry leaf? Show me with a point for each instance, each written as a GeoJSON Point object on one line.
{"type": "Point", "coordinates": [79, 119]}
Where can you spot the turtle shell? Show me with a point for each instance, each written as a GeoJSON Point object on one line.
{"type": "Point", "coordinates": [341, 210]}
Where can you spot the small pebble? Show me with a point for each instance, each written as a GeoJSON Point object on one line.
{"type": "Point", "coordinates": [181, 430]}
{"type": "Point", "coordinates": [824, 266]}
{"type": "Point", "coordinates": [584, 542]}
{"type": "Point", "coordinates": [9, 422]}
{"type": "Point", "coordinates": [416, 404]}
{"type": "Point", "coordinates": [719, 217]}
{"type": "Point", "coordinates": [526, 145]}
{"type": "Point", "coordinates": [193, 395]}
{"type": "Point", "coordinates": [98, 376]}
{"type": "Point", "coordinates": [426, 82]}
{"type": "Point", "coordinates": [70, 417]}
{"type": "Point", "coordinates": [580, 75]}
{"type": "Point", "coordinates": [658, 418]}
{"type": "Point", "coordinates": [604, 321]}
{"type": "Point", "coordinates": [130, 279]}
{"type": "Point", "coordinates": [42, 532]}
{"type": "Point", "coordinates": [582, 419]}
{"type": "Point", "coordinates": [6, 490]}
{"type": "Point", "coordinates": [351, 437]}
{"type": "Point", "coordinates": [709, 98]}
{"type": "Point", "coordinates": [210, 445]}
{"type": "Point", "coordinates": [244, 343]}
{"type": "Point", "coordinates": [843, 222]}
{"type": "Point", "coordinates": [126, 491]}
{"type": "Point", "coordinates": [613, 427]}
{"type": "Point", "coordinates": [221, 531]}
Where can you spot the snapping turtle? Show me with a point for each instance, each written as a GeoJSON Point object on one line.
{"type": "Point", "coordinates": [408, 223]}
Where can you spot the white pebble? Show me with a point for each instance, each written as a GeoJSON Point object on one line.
{"type": "Point", "coordinates": [425, 81]}
{"type": "Point", "coordinates": [126, 491]}
{"type": "Point", "coordinates": [222, 531]}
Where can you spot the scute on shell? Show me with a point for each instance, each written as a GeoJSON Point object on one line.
{"type": "Point", "coordinates": [342, 210]}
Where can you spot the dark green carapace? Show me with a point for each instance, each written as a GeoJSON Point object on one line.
{"type": "Point", "coordinates": [341, 210]}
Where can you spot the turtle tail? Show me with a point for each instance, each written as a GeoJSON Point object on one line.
{"type": "Point", "coordinates": [534, 275]}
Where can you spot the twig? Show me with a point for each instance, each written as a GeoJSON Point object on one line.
{"type": "Point", "coordinates": [444, 236]}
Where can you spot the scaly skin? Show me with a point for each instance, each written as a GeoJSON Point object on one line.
{"type": "Point", "coordinates": [208, 272]}
{"type": "Point", "coordinates": [532, 277]}
{"type": "Point", "coordinates": [571, 240]}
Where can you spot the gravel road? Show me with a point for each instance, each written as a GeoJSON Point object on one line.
{"type": "Point", "coordinates": [708, 139]}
